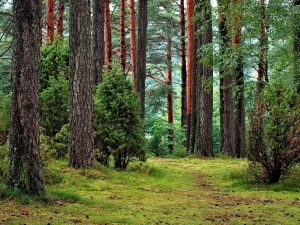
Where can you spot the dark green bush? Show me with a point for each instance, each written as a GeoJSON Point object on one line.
{"type": "Point", "coordinates": [4, 117]}
{"type": "Point", "coordinates": [117, 123]}
{"type": "Point", "coordinates": [274, 140]}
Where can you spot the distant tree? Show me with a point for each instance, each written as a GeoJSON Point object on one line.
{"type": "Point", "coordinates": [50, 19]}
{"type": "Point", "coordinates": [133, 42]}
{"type": "Point", "coordinates": [25, 171]}
{"type": "Point", "coordinates": [141, 52]}
{"type": "Point", "coordinates": [81, 140]}
{"type": "Point", "coordinates": [98, 41]}
{"type": "Point", "coordinates": [122, 35]}
{"type": "Point", "coordinates": [117, 121]}
{"type": "Point", "coordinates": [60, 18]}
{"type": "Point", "coordinates": [297, 43]}
{"type": "Point", "coordinates": [107, 33]}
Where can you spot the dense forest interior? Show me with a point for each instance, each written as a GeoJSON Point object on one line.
{"type": "Point", "coordinates": [106, 90]}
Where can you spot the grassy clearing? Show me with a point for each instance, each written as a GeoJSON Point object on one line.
{"type": "Point", "coordinates": [164, 191]}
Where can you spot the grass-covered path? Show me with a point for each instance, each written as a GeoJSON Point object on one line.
{"type": "Point", "coordinates": [164, 191]}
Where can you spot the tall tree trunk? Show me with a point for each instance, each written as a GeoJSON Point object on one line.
{"type": "Point", "coordinates": [107, 33]}
{"type": "Point", "coordinates": [25, 171]}
{"type": "Point", "coordinates": [262, 77]}
{"type": "Point", "coordinates": [133, 42]}
{"type": "Point", "coordinates": [239, 101]}
{"type": "Point", "coordinates": [81, 140]}
{"type": "Point", "coordinates": [297, 44]}
{"type": "Point", "coordinates": [202, 101]}
{"type": "Point", "coordinates": [60, 18]}
{"type": "Point", "coordinates": [190, 53]}
{"type": "Point", "coordinates": [183, 66]}
{"type": "Point", "coordinates": [50, 19]}
{"type": "Point", "coordinates": [141, 52]}
{"type": "Point", "coordinates": [226, 82]}
{"type": "Point", "coordinates": [98, 41]}
{"type": "Point", "coordinates": [170, 96]}
{"type": "Point", "coordinates": [122, 36]}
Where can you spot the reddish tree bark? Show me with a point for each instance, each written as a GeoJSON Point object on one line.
{"type": "Point", "coordinates": [50, 19]}
{"type": "Point", "coordinates": [133, 42]}
{"type": "Point", "coordinates": [122, 36]}
{"type": "Point", "coordinates": [170, 96]}
{"type": "Point", "coordinates": [60, 18]}
{"type": "Point", "coordinates": [107, 33]}
{"type": "Point", "coordinates": [183, 66]}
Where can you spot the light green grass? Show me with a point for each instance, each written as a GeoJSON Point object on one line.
{"type": "Point", "coordinates": [162, 191]}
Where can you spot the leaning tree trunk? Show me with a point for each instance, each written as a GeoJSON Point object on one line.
{"type": "Point", "coordinates": [183, 66]}
{"type": "Point", "coordinates": [133, 43]}
{"type": "Point", "coordinates": [239, 100]}
{"type": "Point", "coordinates": [50, 19]}
{"type": "Point", "coordinates": [98, 41]}
{"type": "Point", "coordinates": [107, 33]}
{"type": "Point", "coordinates": [25, 170]}
{"type": "Point", "coordinates": [141, 52]}
{"type": "Point", "coordinates": [60, 18]}
{"type": "Point", "coordinates": [81, 140]}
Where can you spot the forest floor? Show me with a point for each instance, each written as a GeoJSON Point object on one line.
{"type": "Point", "coordinates": [162, 191]}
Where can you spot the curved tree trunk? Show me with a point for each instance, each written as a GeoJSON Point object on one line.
{"type": "Point", "coordinates": [81, 140]}
{"type": "Point", "coordinates": [25, 170]}
{"type": "Point", "coordinates": [141, 52]}
{"type": "Point", "coordinates": [98, 41]}
{"type": "Point", "coordinates": [50, 19]}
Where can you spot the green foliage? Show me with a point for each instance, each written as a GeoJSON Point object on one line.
{"type": "Point", "coordinates": [4, 112]}
{"type": "Point", "coordinates": [117, 120]}
{"type": "Point", "coordinates": [3, 161]}
{"type": "Point", "coordinates": [54, 87]}
{"type": "Point", "coordinates": [273, 145]}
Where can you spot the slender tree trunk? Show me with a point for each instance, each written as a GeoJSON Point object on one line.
{"type": "Point", "coordinates": [81, 140]}
{"type": "Point", "coordinates": [226, 82]}
{"type": "Point", "coordinates": [60, 18]}
{"type": "Point", "coordinates": [122, 36]}
{"type": "Point", "coordinates": [25, 171]}
{"type": "Point", "coordinates": [98, 41]}
{"type": "Point", "coordinates": [183, 66]}
{"type": "Point", "coordinates": [190, 53]}
{"type": "Point", "coordinates": [202, 101]}
{"type": "Point", "coordinates": [297, 44]}
{"type": "Point", "coordinates": [262, 77]}
{"type": "Point", "coordinates": [239, 102]}
{"type": "Point", "coordinates": [141, 52]}
{"type": "Point", "coordinates": [107, 32]}
{"type": "Point", "coordinates": [170, 96]}
{"type": "Point", "coordinates": [50, 19]}
{"type": "Point", "coordinates": [133, 43]}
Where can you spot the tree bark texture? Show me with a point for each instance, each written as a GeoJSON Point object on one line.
{"type": "Point", "coordinates": [170, 96]}
{"type": "Point", "coordinates": [107, 33]}
{"type": "Point", "coordinates": [81, 140]}
{"type": "Point", "coordinates": [98, 41]}
{"type": "Point", "coordinates": [226, 82]}
{"type": "Point", "coordinates": [133, 43]}
{"type": "Point", "coordinates": [50, 19]}
{"type": "Point", "coordinates": [239, 100]}
{"type": "Point", "coordinates": [190, 53]}
{"type": "Point", "coordinates": [25, 170]}
{"type": "Point", "coordinates": [297, 44]}
{"type": "Point", "coordinates": [141, 52]}
{"type": "Point", "coordinates": [183, 66]}
{"type": "Point", "coordinates": [262, 77]}
{"type": "Point", "coordinates": [202, 100]}
{"type": "Point", "coordinates": [122, 35]}
{"type": "Point", "coordinates": [60, 18]}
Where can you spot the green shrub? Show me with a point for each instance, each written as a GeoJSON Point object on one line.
{"type": "Point", "coordinates": [274, 139]}
{"type": "Point", "coordinates": [117, 123]}
{"type": "Point", "coordinates": [4, 117]}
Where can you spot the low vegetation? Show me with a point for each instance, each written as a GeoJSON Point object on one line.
{"type": "Point", "coordinates": [160, 191]}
